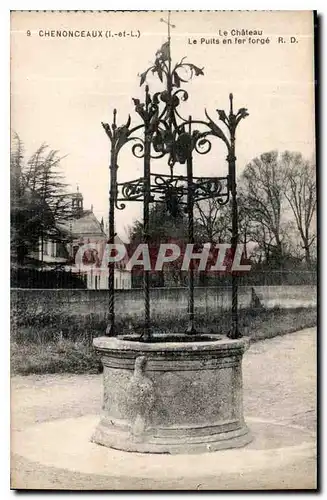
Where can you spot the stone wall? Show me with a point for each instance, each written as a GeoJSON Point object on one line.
{"type": "Point", "coordinates": [163, 300]}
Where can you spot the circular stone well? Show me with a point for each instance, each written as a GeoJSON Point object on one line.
{"type": "Point", "coordinates": [172, 395]}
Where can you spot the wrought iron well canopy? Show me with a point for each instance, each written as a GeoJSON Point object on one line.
{"type": "Point", "coordinates": [164, 132]}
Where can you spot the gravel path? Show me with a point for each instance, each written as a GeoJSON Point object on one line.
{"type": "Point", "coordinates": [279, 384]}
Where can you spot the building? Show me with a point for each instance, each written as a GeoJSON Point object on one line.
{"type": "Point", "coordinates": [83, 228]}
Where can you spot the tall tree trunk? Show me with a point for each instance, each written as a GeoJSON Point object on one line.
{"type": "Point", "coordinates": [307, 254]}
{"type": "Point", "coordinates": [42, 248]}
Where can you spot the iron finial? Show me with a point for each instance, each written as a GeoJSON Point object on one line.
{"type": "Point", "coordinates": [114, 117]}
{"type": "Point", "coordinates": [231, 103]}
{"type": "Point", "coordinates": [169, 25]}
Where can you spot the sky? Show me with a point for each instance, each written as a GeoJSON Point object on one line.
{"type": "Point", "coordinates": [63, 88]}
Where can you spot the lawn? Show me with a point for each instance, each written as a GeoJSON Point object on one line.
{"type": "Point", "coordinates": [44, 348]}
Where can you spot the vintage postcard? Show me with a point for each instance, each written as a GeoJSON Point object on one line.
{"type": "Point", "coordinates": [163, 250]}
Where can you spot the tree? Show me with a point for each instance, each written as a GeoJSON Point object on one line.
{"type": "Point", "coordinates": [44, 178]}
{"type": "Point", "coordinates": [300, 192]}
{"type": "Point", "coordinates": [163, 228]}
{"type": "Point", "coordinates": [24, 206]}
{"type": "Point", "coordinates": [262, 192]}
{"type": "Point", "coordinates": [212, 221]}
{"type": "Point", "coordinates": [38, 198]}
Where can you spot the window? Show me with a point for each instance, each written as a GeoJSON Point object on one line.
{"type": "Point", "coordinates": [45, 247]}
{"type": "Point", "coordinates": [53, 249]}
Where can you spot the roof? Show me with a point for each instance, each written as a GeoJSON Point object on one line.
{"type": "Point", "coordinates": [86, 225]}
{"type": "Point", "coordinates": [119, 241]}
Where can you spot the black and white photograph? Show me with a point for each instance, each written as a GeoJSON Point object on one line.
{"type": "Point", "coordinates": [163, 250]}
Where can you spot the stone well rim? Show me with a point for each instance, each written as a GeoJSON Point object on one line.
{"type": "Point", "coordinates": [216, 343]}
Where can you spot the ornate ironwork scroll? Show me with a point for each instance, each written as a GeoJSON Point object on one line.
{"type": "Point", "coordinates": [165, 187]}
{"type": "Point", "coordinates": [131, 190]}
{"type": "Point", "coordinates": [211, 187]}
